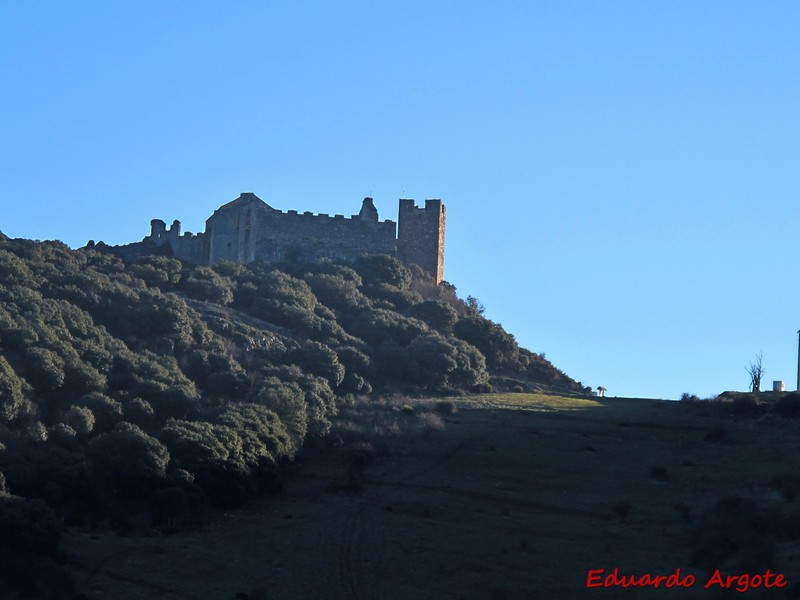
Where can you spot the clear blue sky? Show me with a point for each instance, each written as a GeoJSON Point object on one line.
{"type": "Point", "coordinates": [621, 178]}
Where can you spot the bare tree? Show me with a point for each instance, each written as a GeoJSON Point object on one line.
{"type": "Point", "coordinates": [756, 372]}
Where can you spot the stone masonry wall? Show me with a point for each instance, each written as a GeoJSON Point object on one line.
{"type": "Point", "coordinates": [189, 247]}
{"type": "Point", "coordinates": [248, 229]}
{"type": "Point", "coordinates": [312, 237]}
{"type": "Point", "coordinates": [420, 236]}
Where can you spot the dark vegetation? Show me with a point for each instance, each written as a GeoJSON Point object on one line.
{"type": "Point", "coordinates": [743, 533]}
{"type": "Point", "coordinates": [508, 488]}
{"type": "Point", "coordinates": [737, 534]}
{"type": "Point", "coordinates": [747, 405]}
{"type": "Point", "coordinates": [134, 396]}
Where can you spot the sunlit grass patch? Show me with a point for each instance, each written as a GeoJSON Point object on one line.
{"type": "Point", "coordinates": [528, 401]}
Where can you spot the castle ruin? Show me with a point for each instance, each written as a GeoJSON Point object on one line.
{"type": "Point", "coordinates": [248, 229]}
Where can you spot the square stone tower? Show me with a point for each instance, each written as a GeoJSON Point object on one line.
{"type": "Point", "coordinates": [420, 236]}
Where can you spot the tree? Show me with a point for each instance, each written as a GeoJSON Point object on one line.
{"type": "Point", "coordinates": [214, 454]}
{"type": "Point", "coordinates": [377, 269]}
{"type": "Point", "coordinates": [265, 438]}
{"type": "Point", "coordinates": [474, 305]}
{"type": "Point", "coordinates": [128, 460]}
{"type": "Point", "coordinates": [287, 400]}
{"type": "Point", "coordinates": [206, 284]}
{"type": "Point", "coordinates": [756, 372]}
{"type": "Point", "coordinates": [106, 412]}
{"type": "Point", "coordinates": [11, 397]}
{"type": "Point", "coordinates": [435, 314]}
{"type": "Point", "coordinates": [317, 359]}
{"type": "Point", "coordinates": [499, 347]}
{"type": "Point", "coordinates": [379, 325]}
{"type": "Point", "coordinates": [337, 291]}
{"type": "Point", "coordinates": [80, 419]}
{"type": "Point", "coordinates": [431, 359]}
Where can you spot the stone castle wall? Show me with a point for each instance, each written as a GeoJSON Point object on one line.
{"type": "Point", "coordinates": [189, 246]}
{"type": "Point", "coordinates": [312, 237]}
{"type": "Point", "coordinates": [420, 236]}
{"type": "Point", "coordinates": [248, 229]}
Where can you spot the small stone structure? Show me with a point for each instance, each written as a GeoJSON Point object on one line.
{"type": "Point", "coordinates": [248, 229]}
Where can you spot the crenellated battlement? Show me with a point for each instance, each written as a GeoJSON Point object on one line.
{"type": "Point", "coordinates": [420, 235]}
{"type": "Point", "coordinates": [248, 229]}
{"type": "Point", "coordinates": [308, 214]}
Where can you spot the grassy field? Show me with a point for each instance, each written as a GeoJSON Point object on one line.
{"type": "Point", "coordinates": [496, 496]}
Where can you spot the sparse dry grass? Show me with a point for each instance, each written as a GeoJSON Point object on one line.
{"type": "Point", "coordinates": [527, 401]}
{"type": "Point", "coordinates": [430, 421]}
{"type": "Point", "coordinates": [505, 501]}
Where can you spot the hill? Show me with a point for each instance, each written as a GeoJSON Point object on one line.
{"type": "Point", "coordinates": [511, 496]}
{"type": "Point", "coordinates": [135, 395]}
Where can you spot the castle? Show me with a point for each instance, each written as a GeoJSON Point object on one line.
{"type": "Point", "coordinates": [248, 229]}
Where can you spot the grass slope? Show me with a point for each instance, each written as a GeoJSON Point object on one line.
{"type": "Point", "coordinates": [518, 496]}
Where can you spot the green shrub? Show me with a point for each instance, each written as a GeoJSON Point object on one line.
{"type": "Point", "coordinates": [106, 411]}
{"type": "Point", "coordinates": [437, 315]}
{"type": "Point", "coordinates": [214, 454]}
{"type": "Point", "coordinates": [430, 421]}
{"type": "Point", "coordinates": [287, 400]}
{"type": "Point", "coordinates": [265, 438]}
{"type": "Point", "coordinates": [499, 347]}
{"type": "Point", "coordinates": [79, 418]}
{"type": "Point", "coordinates": [445, 407]}
{"type": "Point", "coordinates": [381, 269]}
{"type": "Point", "coordinates": [206, 284]}
{"type": "Point", "coordinates": [320, 402]}
{"type": "Point", "coordinates": [139, 412]}
{"type": "Point", "coordinates": [379, 326]}
{"type": "Point", "coordinates": [11, 398]}
{"type": "Point", "coordinates": [157, 271]}
{"type": "Point", "coordinates": [318, 359]}
{"type": "Point", "coordinates": [45, 368]}
{"type": "Point", "coordinates": [336, 291]}
{"type": "Point", "coordinates": [62, 433]}
{"type": "Point", "coordinates": [430, 359]}
{"type": "Point", "coordinates": [128, 460]}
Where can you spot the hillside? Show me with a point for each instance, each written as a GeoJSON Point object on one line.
{"type": "Point", "coordinates": [512, 496]}
{"type": "Point", "coordinates": [135, 395]}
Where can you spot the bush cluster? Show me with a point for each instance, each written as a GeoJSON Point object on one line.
{"type": "Point", "coordinates": [140, 392]}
